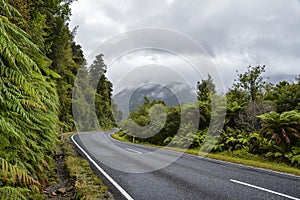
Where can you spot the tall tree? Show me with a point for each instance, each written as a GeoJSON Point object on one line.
{"type": "Point", "coordinates": [247, 91]}
{"type": "Point", "coordinates": [48, 26]}
{"type": "Point", "coordinates": [83, 102]}
{"type": "Point", "coordinates": [285, 95]}
{"type": "Point", "coordinates": [97, 70]}
{"type": "Point", "coordinates": [103, 93]}
{"type": "Point", "coordinates": [206, 89]}
{"type": "Point", "coordinates": [251, 82]}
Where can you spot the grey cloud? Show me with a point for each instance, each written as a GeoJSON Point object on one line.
{"type": "Point", "coordinates": [235, 33]}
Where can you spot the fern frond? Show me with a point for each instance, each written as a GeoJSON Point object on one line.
{"type": "Point", "coordinates": [13, 172]}
{"type": "Point", "coordinates": [8, 192]}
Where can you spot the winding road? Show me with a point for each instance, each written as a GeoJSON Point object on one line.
{"type": "Point", "coordinates": [133, 171]}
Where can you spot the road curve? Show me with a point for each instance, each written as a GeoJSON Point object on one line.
{"type": "Point", "coordinates": [138, 172]}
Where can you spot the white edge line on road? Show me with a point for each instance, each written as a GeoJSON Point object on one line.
{"type": "Point", "coordinates": [266, 190]}
{"type": "Point", "coordinates": [134, 151]}
{"type": "Point", "coordinates": [123, 192]}
{"type": "Point", "coordinates": [244, 166]}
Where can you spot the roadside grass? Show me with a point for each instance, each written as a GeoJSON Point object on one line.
{"type": "Point", "coordinates": [238, 157]}
{"type": "Point", "coordinates": [87, 185]}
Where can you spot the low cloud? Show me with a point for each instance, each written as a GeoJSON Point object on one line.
{"type": "Point", "coordinates": [235, 33]}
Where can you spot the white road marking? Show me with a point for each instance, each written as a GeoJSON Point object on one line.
{"type": "Point", "coordinates": [123, 192]}
{"type": "Point", "coordinates": [134, 151]}
{"type": "Point", "coordinates": [266, 190]}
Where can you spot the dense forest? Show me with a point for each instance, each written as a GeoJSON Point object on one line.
{"type": "Point", "coordinates": [92, 99]}
{"type": "Point", "coordinates": [39, 61]}
{"type": "Point", "coordinates": [261, 119]}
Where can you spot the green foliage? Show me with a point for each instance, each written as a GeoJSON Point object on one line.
{"type": "Point", "coordinates": [251, 82]}
{"type": "Point", "coordinates": [92, 103]}
{"type": "Point", "coordinates": [282, 127]}
{"type": "Point", "coordinates": [237, 95]}
{"type": "Point", "coordinates": [185, 137]}
{"type": "Point", "coordinates": [205, 89]}
{"type": "Point", "coordinates": [147, 122]}
{"type": "Point", "coordinates": [63, 62]}
{"type": "Point", "coordinates": [97, 70]}
{"type": "Point", "coordinates": [87, 185]}
{"type": "Point", "coordinates": [28, 103]}
{"type": "Point", "coordinates": [28, 91]}
{"type": "Point", "coordinates": [210, 144]}
{"type": "Point", "coordinates": [46, 24]}
{"type": "Point", "coordinates": [249, 97]}
{"type": "Point", "coordinates": [232, 110]}
{"type": "Point", "coordinates": [286, 96]}
{"type": "Point", "coordinates": [205, 114]}
{"type": "Point", "coordinates": [13, 173]}
{"type": "Point", "coordinates": [103, 94]}
{"type": "Point", "coordinates": [9, 192]}
{"type": "Point", "coordinates": [83, 103]}
{"type": "Point", "coordinates": [103, 103]}
{"type": "Point", "coordinates": [294, 157]}
{"type": "Point", "coordinates": [245, 100]}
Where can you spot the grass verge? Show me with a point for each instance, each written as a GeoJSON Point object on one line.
{"type": "Point", "coordinates": [238, 157]}
{"type": "Point", "coordinates": [87, 185]}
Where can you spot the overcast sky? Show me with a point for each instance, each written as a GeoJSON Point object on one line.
{"type": "Point", "coordinates": [235, 33]}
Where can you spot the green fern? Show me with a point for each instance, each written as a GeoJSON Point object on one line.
{"type": "Point", "coordinates": [8, 192]}
{"type": "Point", "coordinates": [29, 108]}
{"type": "Point", "coordinates": [282, 127]}
{"type": "Point", "coordinates": [15, 173]}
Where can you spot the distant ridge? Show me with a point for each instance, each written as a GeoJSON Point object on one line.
{"type": "Point", "coordinates": [172, 94]}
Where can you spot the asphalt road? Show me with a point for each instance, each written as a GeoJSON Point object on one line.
{"type": "Point", "coordinates": [138, 172]}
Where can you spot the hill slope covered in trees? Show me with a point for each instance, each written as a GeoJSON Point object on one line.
{"type": "Point", "coordinates": [39, 62]}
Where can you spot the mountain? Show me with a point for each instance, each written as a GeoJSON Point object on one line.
{"type": "Point", "coordinates": [172, 94]}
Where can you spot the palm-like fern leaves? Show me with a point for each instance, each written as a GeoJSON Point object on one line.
{"type": "Point", "coordinates": [281, 126]}
{"type": "Point", "coordinates": [28, 108]}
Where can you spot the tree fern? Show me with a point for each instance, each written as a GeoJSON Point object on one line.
{"type": "Point", "coordinates": [282, 127]}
